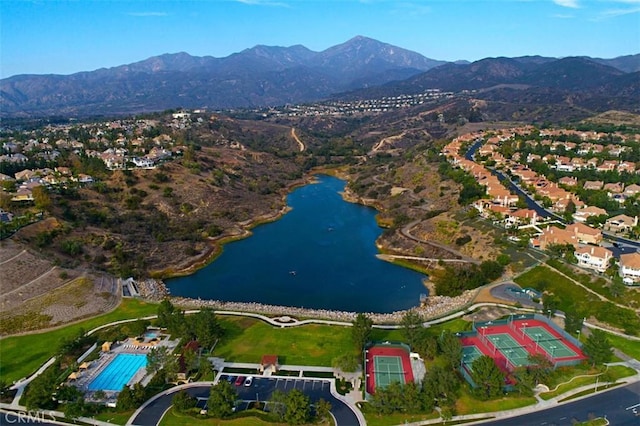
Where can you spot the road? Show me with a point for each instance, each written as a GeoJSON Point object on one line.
{"type": "Point", "coordinates": [617, 405]}
{"type": "Point", "coordinates": [261, 390]}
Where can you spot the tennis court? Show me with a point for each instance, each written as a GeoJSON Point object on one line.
{"type": "Point", "coordinates": [385, 363]}
{"type": "Point", "coordinates": [515, 353]}
{"type": "Point", "coordinates": [387, 369]}
{"type": "Point", "coordinates": [470, 354]}
{"type": "Point", "coordinates": [552, 345]}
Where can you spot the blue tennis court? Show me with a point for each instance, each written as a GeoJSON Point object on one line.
{"type": "Point", "coordinates": [118, 373]}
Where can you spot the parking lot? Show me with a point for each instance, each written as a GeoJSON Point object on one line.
{"type": "Point", "coordinates": [261, 388]}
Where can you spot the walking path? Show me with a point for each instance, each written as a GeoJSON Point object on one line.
{"type": "Point", "coordinates": [31, 282]}
{"type": "Point", "coordinates": [578, 283]}
{"type": "Point", "coordinates": [286, 321]}
{"type": "Point", "coordinates": [300, 144]}
{"type": "Point", "coordinates": [17, 255]}
{"type": "Point", "coordinates": [406, 232]}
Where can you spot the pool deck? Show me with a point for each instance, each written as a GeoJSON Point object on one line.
{"type": "Point", "coordinates": [130, 346]}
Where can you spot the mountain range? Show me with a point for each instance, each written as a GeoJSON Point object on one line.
{"type": "Point", "coordinates": [270, 76]}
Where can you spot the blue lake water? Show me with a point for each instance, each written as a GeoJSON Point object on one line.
{"type": "Point", "coordinates": [320, 255]}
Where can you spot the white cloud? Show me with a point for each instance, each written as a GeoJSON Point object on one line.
{"type": "Point", "coordinates": [562, 16]}
{"type": "Point", "coordinates": [263, 3]}
{"type": "Point", "coordinates": [146, 14]}
{"type": "Point", "coordinates": [567, 3]}
{"type": "Point", "coordinates": [612, 13]}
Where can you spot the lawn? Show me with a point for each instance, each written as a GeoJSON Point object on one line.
{"type": "Point", "coordinates": [22, 355]}
{"type": "Point", "coordinates": [573, 298]}
{"type": "Point", "coordinates": [173, 418]}
{"type": "Point", "coordinates": [629, 347]}
{"type": "Point", "coordinates": [467, 404]}
{"type": "Point", "coordinates": [617, 372]}
{"type": "Point", "coordinates": [374, 419]}
{"type": "Point", "coordinates": [248, 339]}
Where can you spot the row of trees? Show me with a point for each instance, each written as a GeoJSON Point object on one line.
{"type": "Point", "coordinates": [292, 407]}
{"type": "Point", "coordinates": [454, 280]}
{"type": "Point", "coordinates": [202, 326]}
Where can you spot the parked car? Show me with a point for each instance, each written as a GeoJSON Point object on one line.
{"type": "Point", "coordinates": [239, 380]}
{"type": "Point", "coordinates": [248, 381]}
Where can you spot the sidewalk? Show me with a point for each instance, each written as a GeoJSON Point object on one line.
{"type": "Point", "coordinates": [541, 405]}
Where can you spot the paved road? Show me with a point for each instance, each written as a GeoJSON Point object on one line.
{"type": "Point", "coordinates": [615, 404]}
{"type": "Point", "coordinates": [261, 389]}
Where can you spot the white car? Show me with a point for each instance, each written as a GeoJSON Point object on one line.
{"type": "Point", "coordinates": [248, 381]}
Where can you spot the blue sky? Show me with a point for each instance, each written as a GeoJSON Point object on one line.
{"type": "Point", "coordinates": [63, 37]}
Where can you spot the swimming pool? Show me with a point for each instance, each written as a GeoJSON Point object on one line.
{"type": "Point", "coordinates": [118, 373]}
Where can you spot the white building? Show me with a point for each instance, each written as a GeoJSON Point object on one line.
{"type": "Point", "coordinates": [630, 268]}
{"type": "Point", "coordinates": [593, 257]}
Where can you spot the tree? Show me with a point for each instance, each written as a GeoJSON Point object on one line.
{"type": "Point", "coordinates": [425, 344]}
{"type": "Point", "coordinates": [126, 400]}
{"type": "Point", "coordinates": [221, 399]}
{"type": "Point", "coordinates": [549, 305]}
{"type": "Point", "coordinates": [451, 348]}
{"type": "Point", "coordinates": [488, 378]}
{"type": "Point", "coordinates": [165, 312]}
{"type": "Point", "coordinates": [598, 348]}
{"type": "Point", "coordinates": [41, 198]}
{"type": "Point", "coordinates": [39, 392]}
{"type": "Point", "coordinates": [277, 403]}
{"type": "Point", "coordinates": [573, 322]}
{"type": "Point", "coordinates": [411, 323]}
{"type": "Point", "coordinates": [323, 409]}
{"type": "Point", "coordinates": [74, 409]}
{"type": "Point", "coordinates": [440, 387]}
{"type": "Point", "coordinates": [157, 357]}
{"type": "Point", "coordinates": [206, 327]}
{"type": "Point", "coordinates": [361, 331]}
{"type": "Point", "coordinates": [205, 369]}
{"type": "Point", "coordinates": [298, 409]}
{"type": "Point", "coordinates": [182, 401]}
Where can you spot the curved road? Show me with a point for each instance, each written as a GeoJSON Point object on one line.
{"type": "Point", "coordinates": [616, 406]}
{"type": "Point", "coordinates": [262, 388]}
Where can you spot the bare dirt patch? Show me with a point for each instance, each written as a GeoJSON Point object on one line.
{"type": "Point", "coordinates": [34, 293]}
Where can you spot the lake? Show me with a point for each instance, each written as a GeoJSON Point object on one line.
{"type": "Point", "coordinates": [320, 255]}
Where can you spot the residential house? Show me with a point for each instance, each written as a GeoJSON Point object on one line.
{"type": "Point", "coordinates": [621, 223]}
{"type": "Point", "coordinates": [584, 213]}
{"type": "Point", "coordinates": [629, 191]}
{"type": "Point", "coordinates": [626, 167]}
{"type": "Point", "coordinates": [521, 217]}
{"type": "Point", "coordinates": [4, 178]}
{"type": "Point", "coordinates": [630, 268]}
{"type": "Point", "coordinates": [593, 257]}
{"type": "Point", "coordinates": [568, 181]}
{"type": "Point", "coordinates": [593, 184]}
{"type": "Point", "coordinates": [585, 234]}
{"type": "Point", "coordinates": [552, 235]}
{"type": "Point", "coordinates": [607, 166]}
{"type": "Point", "coordinates": [562, 204]}
{"type": "Point", "coordinates": [613, 188]}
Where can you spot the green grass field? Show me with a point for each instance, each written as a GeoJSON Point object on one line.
{"type": "Point", "coordinates": [173, 418]}
{"type": "Point", "coordinates": [248, 339]}
{"type": "Point", "coordinates": [573, 298]}
{"type": "Point", "coordinates": [22, 355]}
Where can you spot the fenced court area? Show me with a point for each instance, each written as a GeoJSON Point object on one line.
{"type": "Point", "coordinates": [386, 363]}
{"type": "Point", "coordinates": [511, 341]}
{"type": "Point", "coordinates": [552, 345]}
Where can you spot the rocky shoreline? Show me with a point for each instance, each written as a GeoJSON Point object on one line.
{"type": "Point", "coordinates": [435, 306]}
